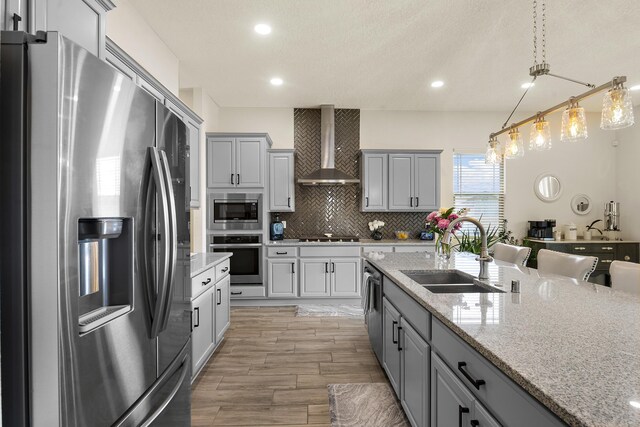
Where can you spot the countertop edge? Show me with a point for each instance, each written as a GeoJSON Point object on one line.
{"type": "Point", "coordinates": [546, 400]}
{"type": "Point", "coordinates": [222, 257]}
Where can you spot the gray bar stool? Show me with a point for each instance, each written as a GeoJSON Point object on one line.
{"type": "Point", "coordinates": [510, 253]}
{"type": "Point", "coordinates": [625, 276]}
{"type": "Point", "coordinates": [575, 266]}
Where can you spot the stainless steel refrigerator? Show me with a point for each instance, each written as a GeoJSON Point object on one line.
{"type": "Point", "coordinates": [94, 212]}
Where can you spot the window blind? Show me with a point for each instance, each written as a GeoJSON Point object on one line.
{"type": "Point", "coordinates": [478, 187]}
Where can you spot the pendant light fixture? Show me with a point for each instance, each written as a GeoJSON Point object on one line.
{"type": "Point", "coordinates": [540, 136]}
{"type": "Point", "coordinates": [493, 155]}
{"type": "Point", "coordinates": [514, 147]}
{"type": "Point", "coordinates": [574, 123]}
{"type": "Point", "coordinates": [617, 109]}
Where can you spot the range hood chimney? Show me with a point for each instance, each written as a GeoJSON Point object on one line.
{"type": "Point", "coordinates": [327, 174]}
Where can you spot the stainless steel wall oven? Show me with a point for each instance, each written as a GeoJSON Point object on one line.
{"type": "Point", "coordinates": [246, 262]}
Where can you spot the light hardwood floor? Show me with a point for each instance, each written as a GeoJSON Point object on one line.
{"type": "Point", "coordinates": [273, 369]}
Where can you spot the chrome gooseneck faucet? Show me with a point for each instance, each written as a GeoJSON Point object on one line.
{"type": "Point", "coordinates": [484, 257]}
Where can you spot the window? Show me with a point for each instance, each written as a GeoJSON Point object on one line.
{"type": "Point", "coordinates": [478, 187]}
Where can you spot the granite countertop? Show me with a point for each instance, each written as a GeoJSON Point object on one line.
{"type": "Point", "coordinates": [204, 261]}
{"type": "Point", "coordinates": [362, 242]}
{"type": "Point", "coordinates": [586, 242]}
{"type": "Point", "coordinates": [573, 345]}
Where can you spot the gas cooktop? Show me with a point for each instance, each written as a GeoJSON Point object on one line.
{"type": "Point", "coordinates": [330, 239]}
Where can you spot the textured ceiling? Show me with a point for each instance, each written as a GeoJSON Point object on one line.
{"type": "Point", "coordinates": [383, 54]}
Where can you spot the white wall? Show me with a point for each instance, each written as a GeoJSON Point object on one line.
{"type": "Point", "coordinates": [628, 178]}
{"type": "Point", "coordinates": [129, 30]}
{"type": "Point", "coordinates": [277, 122]}
{"type": "Point", "coordinates": [587, 167]}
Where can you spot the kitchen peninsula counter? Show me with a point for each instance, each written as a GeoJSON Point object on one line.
{"type": "Point", "coordinates": [362, 242]}
{"type": "Point", "coordinates": [203, 261]}
{"type": "Point", "coordinates": [574, 346]}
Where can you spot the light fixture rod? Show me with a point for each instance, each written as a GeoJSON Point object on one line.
{"type": "Point", "coordinates": [518, 104]}
{"type": "Point", "coordinates": [611, 84]}
{"type": "Point", "coordinates": [571, 80]}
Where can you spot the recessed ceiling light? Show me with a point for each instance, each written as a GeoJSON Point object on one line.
{"type": "Point", "coordinates": [262, 29]}
{"type": "Point", "coordinates": [437, 83]}
{"type": "Point", "coordinates": [635, 404]}
{"type": "Point", "coordinates": [276, 81]}
{"type": "Point", "coordinates": [636, 87]}
{"type": "Point", "coordinates": [527, 85]}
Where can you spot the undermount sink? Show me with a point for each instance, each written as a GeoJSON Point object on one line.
{"type": "Point", "coordinates": [449, 282]}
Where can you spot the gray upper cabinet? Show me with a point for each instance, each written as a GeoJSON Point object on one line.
{"type": "Point", "coordinates": [401, 179]}
{"type": "Point", "coordinates": [427, 181]}
{"type": "Point", "coordinates": [221, 157]}
{"type": "Point", "coordinates": [281, 181]}
{"type": "Point", "coordinates": [236, 161]}
{"type": "Point", "coordinates": [414, 181]}
{"type": "Point", "coordinates": [375, 176]}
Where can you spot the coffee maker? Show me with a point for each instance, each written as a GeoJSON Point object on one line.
{"type": "Point", "coordinates": [541, 230]}
{"type": "Point", "coordinates": [612, 220]}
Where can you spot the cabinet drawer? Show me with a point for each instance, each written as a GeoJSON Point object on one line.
{"type": "Point", "coordinates": [593, 248]}
{"type": "Point", "coordinates": [247, 292]}
{"type": "Point", "coordinates": [627, 252]}
{"type": "Point", "coordinates": [202, 282]}
{"type": "Point", "coordinates": [330, 251]}
{"type": "Point", "coordinates": [282, 252]}
{"type": "Point", "coordinates": [413, 312]}
{"type": "Point", "coordinates": [222, 270]}
{"type": "Point", "coordinates": [504, 398]}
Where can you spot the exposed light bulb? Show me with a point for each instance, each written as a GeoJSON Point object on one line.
{"type": "Point", "coordinates": [540, 136]}
{"type": "Point", "coordinates": [493, 155]}
{"type": "Point", "coordinates": [514, 147]}
{"type": "Point", "coordinates": [617, 109]}
{"type": "Point", "coordinates": [574, 124]}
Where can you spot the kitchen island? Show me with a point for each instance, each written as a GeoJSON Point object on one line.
{"type": "Point", "coordinates": [571, 345]}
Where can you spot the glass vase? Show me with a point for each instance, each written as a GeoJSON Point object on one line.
{"type": "Point", "coordinates": [376, 235]}
{"type": "Point", "coordinates": [443, 250]}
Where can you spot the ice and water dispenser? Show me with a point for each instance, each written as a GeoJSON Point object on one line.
{"type": "Point", "coordinates": [105, 255]}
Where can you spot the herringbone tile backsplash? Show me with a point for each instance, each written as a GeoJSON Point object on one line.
{"type": "Point", "coordinates": [336, 209]}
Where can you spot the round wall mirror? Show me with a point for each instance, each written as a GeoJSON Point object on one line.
{"type": "Point", "coordinates": [547, 187]}
{"type": "Point", "coordinates": [581, 204]}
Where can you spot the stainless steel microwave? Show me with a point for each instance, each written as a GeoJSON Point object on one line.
{"type": "Point", "coordinates": [235, 211]}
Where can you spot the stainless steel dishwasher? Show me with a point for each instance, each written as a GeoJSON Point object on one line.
{"type": "Point", "coordinates": [373, 312]}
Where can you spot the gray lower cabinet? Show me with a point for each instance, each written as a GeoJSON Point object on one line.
{"type": "Point", "coordinates": [235, 161]}
{"type": "Point", "coordinates": [375, 181]}
{"type": "Point", "coordinates": [482, 417]}
{"type": "Point", "coordinates": [330, 277]}
{"type": "Point", "coordinates": [391, 346]}
{"type": "Point", "coordinates": [414, 375]}
{"type": "Point", "coordinates": [281, 181]}
{"type": "Point", "coordinates": [451, 403]}
{"type": "Point", "coordinates": [283, 277]}
{"type": "Point", "coordinates": [203, 335]}
{"type": "Point", "coordinates": [222, 308]}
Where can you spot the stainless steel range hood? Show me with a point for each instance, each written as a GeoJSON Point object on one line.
{"type": "Point", "coordinates": [327, 174]}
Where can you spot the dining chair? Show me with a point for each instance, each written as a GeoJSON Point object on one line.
{"type": "Point", "coordinates": [625, 276]}
{"type": "Point", "coordinates": [575, 266]}
{"type": "Point", "coordinates": [510, 253]}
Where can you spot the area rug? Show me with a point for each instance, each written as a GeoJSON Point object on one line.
{"type": "Point", "coordinates": [371, 405]}
{"type": "Point", "coordinates": [320, 310]}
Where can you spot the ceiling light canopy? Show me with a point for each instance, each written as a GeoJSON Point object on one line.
{"type": "Point", "coordinates": [262, 29]}
{"type": "Point", "coordinates": [276, 81]}
{"type": "Point", "coordinates": [437, 83]}
{"type": "Point", "coordinates": [617, 106]}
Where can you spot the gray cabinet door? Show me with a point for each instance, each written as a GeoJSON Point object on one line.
{"type": "Point", "coordinates": [415, 376]}
{"type": "Point", "coordinates": [451, 403]}
{"type": "Point", "coordinates": [249, 162]}
{"type": "Point", "coordinates": [194, 163]}
{"type": "Point", "coordinates": [314, 278]}
{"type": "Point", "coordinates": [81, 21]}
{"type": "Point", "coordinates": [222, 307]}
{"type": "Point", "coordinates": [401, 171]}
{"type": "Point", "coordinates": [151, 89]}
{"type": "Point", "coordinates": [375, 182]}
{"type": "Point", "coordinates": [121, 66]}
{"type": "Point", "coordinates": [345, 277]}
{"type": "Point", "coordinates": [391, 346]}
{"type": "Point", "coordinates": [283, 277]}
{"type": "Point", "coordinates": [427, 182]}
{"type": "Point", "coordinates": [202, 337]}
{"type": "Point", "coordinates": [482, 417]}
{"type": "Point", "coordinates": [281, 182]}
{"type": "Point", "coordinates": [221, 160]}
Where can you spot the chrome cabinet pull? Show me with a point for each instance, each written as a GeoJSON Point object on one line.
{"type": "Point", "coordinates": [627, 258]}
{"type": "Point", "coordinates": [606, 261]}
{"type": "Point", "coordinates": [607, 248]}
{"type": "Point", "coordinates": [579, 248]}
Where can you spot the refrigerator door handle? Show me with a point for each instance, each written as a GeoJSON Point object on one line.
{"type": "Point", "coordinates": [154, 177]}
{"type": "Point", "coordinates": [173, 241]}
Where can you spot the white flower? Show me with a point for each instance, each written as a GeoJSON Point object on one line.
{"type": "Point", "coordinates": [371, 227]}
